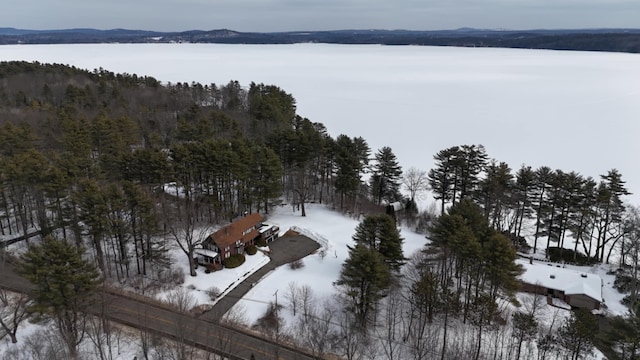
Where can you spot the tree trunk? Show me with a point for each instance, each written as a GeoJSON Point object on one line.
{"type": "Point", "coordinates": [444, 335]}
{"type": "Point", "coordinates": [192, 264]}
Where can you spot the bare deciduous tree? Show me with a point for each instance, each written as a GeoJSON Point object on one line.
{"type": "Point", "coordinates": [235, 317]}
{"type": "Point", "coordinates": [316, 331]}
{"type": "Point", "coordinates": [13, 310]}
{"type": "Point", "coordinates": [352, 341]}
{"type": "Point", "coordinates": [292, 296]}
{"type": "Point", "coordinates": [415, 181]}
{"type": "Point", "coordinates": [183, 227]}
{"type": "Point", "coordinates": [306, 300]}
{"type": "Point", "coordinates": [183, 301]}
{"type": "Point", "coordinates": [390, 330]}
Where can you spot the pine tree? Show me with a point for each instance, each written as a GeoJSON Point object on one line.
{"type": "Point", "coordinates": [64, 286]}
{"type": "Point", "coordinates": [347, 178]}
{"type": "Point", "coordinates": [542, 178]}
{"type": "Point", "coordinates": [365, 278]}
{"type": "Point", "coordinates": [623, 336]}
{"type": "Point", "coordinates": [610, 208]}
{"type": "Point", "coordinates": [380, 233]}
{"type": "Point", "coordinates": [500, 268]}
{"type": "Point", "coordinates": [577, 333]}
{"type": "Point", "coordinates": [523, 190]}
{"type": "Point", "coordinates": [266, 176]}
{"type": "Point", "coordinates": [471, 161]}
{"type": "Point", "coordinates": [386, 176]}
{"type": "Point", "coordinates": [525, 327]}
{"type": "Point", "coordinates": [496, 194]}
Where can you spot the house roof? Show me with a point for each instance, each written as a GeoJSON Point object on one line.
{"type": "Point", "coordinates": [571, 282]}
{"type": "Point", "coordinates": [233, 232]}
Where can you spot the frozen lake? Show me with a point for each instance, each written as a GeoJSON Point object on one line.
{"type": "Point", "coordinates": [576, 111]}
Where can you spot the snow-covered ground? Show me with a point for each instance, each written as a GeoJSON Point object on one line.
{"type": "Point", "coordinates": [332, 230]}
{"type": "Point", "coordinates": [221, 281]}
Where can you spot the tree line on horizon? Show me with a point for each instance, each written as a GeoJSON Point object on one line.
{"type": "Point", "coordinates": [124, 165]}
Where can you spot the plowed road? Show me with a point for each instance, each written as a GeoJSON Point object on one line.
{"type": "Point", "coordinates": [204, 332]}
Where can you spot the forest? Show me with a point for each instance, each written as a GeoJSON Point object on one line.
{"type": "Point", "coordinates": [610, 40]}
{"type": "Point", "coordinates": [120, 167]}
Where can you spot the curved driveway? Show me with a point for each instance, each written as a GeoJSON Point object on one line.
{"type": "Point", "coordinates": [283, 251]}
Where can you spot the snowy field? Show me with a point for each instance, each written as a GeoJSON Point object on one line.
{"type": "Point", "coordinates": [333, 231]}
{"type": "Point", "coordinates": [575, 111]}
{"type": "Point", "coordinates": [329, 228]}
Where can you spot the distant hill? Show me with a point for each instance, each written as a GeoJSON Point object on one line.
{"type": "Point", "coordinates": [613, 40]}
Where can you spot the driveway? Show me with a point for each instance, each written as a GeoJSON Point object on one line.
{"type": "Point", "coordinates": [283, 251]}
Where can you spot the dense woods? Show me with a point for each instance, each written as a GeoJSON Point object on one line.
{"type": "Point", "coordinates": [611, 40]}
{"type": "Point", "coordinates": [125, 166]}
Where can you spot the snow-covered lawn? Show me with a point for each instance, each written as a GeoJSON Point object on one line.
{"type": "Point", "coordinates": [333, 231]}
{"type": "Point", "coordinates": [223, 281]}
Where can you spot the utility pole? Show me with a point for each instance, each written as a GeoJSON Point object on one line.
{"type": "Point", "coordinates": [276, 295]}
{"type": "Point", "coordinates": [275, 310]}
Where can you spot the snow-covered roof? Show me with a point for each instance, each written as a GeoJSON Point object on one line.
{"type": "Point", "coordinates": [206, 252]}
{"type": "Point", "coordinates": [264, 228]}
{"type": "Point", "coordinates": [571, 282]}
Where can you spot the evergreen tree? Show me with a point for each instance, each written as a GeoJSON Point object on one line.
{"type": "Point", "coordinates": [499, 265]}
{"type": "Point", "coordinates": [442, 177]}
{"type": "Point", "coordinates": [270, 104]}
{"type": "Point", "coordinates": [623, 336]}
{"type": "Point", "coordinates": [386, 176]}
{"type": "Point", "coordinates": [365, 278]}
{"type": "Point", "coordinates": [143, 219]}
{"type": "Point", "coordinates": [577, 333]}
{"type": "Point", "coordinates": [581, 220]}
{"type": "Point", "coordinates": [266, 176]}
{"type": "Point", "coordinates": [471, 161]}
{"type": "Point", "coordinates": [423, 295]}
{"type": "Point", "coordinates": [90, 200]}
{"type": "Point", "coordinates": [523, 190]}
{"type": "Point", "coordinates": [496, 195]}
{"type": "Point", "coordinates": [610, 208]}
{"type": "Point", "coordinates": [525, 328]}
{"type": "Point", "coordinates": [64, 287]}
{"type": "Point", "coordinates": [380, 233]}
{"type": "Point", "coordinates": [456, 173]}
{"type": "Point", "coordinates": [542, 178]}
{"type": "Point", "coordinates": [363, 152]}
{"type": "Point", "coordinates": [347, 177]}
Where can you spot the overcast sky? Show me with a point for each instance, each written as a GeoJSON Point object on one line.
{"type": "Point", "coordinates": [285, 15]}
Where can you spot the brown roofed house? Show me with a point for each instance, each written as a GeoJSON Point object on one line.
{"type": "Point", "coordinates": [230, 239]}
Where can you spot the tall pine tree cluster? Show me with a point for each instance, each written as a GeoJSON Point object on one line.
{"type": "Point", "coordinates": [557, 204]}
{"type": "Point", "coordinates": [373, 264]}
